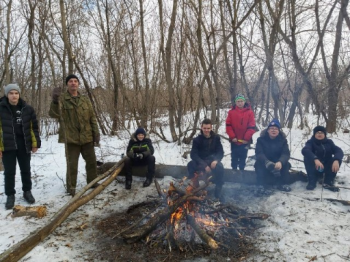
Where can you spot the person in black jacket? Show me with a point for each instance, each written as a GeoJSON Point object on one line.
{"type": "Point", "coordinates": [19, 131]}
{"type": "Point", "coordinates": [321, 155]}
{"type": "Point", "coordinates": [139, 153]}
{"type": "Point", "coordinates": [206, 154]}
{"type": "Point", "coordinates": [272, 155]}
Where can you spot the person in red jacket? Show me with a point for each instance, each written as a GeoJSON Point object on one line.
{"type": "Point", "coordinates": [240, 127]}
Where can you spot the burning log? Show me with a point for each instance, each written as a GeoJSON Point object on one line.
{"type": "Point", "coordinates": [204, 236]}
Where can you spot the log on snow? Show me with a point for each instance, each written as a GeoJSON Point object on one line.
{"type": "Point", "coordinates": [36, 211]}
{"type": "Point", "coordinates": [24, 246]}
{"type": "Point", "coordinates": [245, 177]}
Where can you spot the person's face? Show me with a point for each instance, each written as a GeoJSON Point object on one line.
{"type": "Point", "coordinates": [140, 137]}
{"type": "Point", "coordinates": [320, 135]}
{"type": "Point", "coordinates": [240, 103]}
{"type": "Point", "coordinates": [206, 128]}
{"type": "Point", "coordinates": [73, 85]}
{"type": "Point", "coordinates": [13, 97]}
{"type": "Point", "coordinates": [273, 132]}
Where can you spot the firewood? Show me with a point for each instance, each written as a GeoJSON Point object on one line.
{"type": "Point", "coordinates": [37, 211]}
{"type": "Point", "coordinates": [201, 233]}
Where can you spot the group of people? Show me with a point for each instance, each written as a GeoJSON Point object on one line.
{"type": "Point", "coordinates": [322, 158]}
{"type": "Point", "coordinates": [19, 137]}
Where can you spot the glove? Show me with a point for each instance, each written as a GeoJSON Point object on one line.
{"type": "Point", "coordinates": [97, 139]}
{"type": "Point", "coordinates": [270, 165]}
{"type": "Point", "coordinates": [56, 92]}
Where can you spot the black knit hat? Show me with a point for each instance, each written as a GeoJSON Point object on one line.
{"type": "Point", "coordinates": [140, 130]}
{"type": "Point", "coordinates": [320, 128]}
{"type": "Point", "coordinates": [70, 77]}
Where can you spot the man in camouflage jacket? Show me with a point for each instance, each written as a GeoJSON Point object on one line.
{"type": "Point", "coordinates": [78, 129]}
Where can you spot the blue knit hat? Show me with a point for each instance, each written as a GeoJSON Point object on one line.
{"type": "Point", "coordinates": [239, 96]}
{"type": "Point", "coordinates": [140, 130]}
{"type": "Point", "coordinates": [275, 123]}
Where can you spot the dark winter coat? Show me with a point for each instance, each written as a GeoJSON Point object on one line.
{"type": "Point", "coordinates": [275, 150]}
{"type": "Point", "coordinates": [80, 124]}
{"type": "Point", "coordinates": [324, 150]}
{"type": "Point", "coordinates": [204, 148]}
{"type": "Point", "coordinates": [136, 146]}
{"type": "Point", "coordinates": [29, 125]}
{"type": "Point", "coordinates": [240, 123]}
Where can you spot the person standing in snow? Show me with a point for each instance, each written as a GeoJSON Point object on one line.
{"type": "Point", "coordinates": [321, 155]}
{"type": "Point", "coordinates": [206, 154]}
{"type": "Point", "coordinates": [19, 131]}
{"type": "Point", "coordinates": [272, 155]}
{"type": "Point", "coordinates": [78, 130]}
{"type": "Point", "coordinates": [139, 153]}
{"type": "Point", "coordinates": [240, 127]}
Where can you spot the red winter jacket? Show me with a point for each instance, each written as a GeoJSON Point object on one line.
{"type": "Point", "coordinates": [240, 123]}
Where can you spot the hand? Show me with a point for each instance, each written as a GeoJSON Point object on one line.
{"type": "Point", "coordinates": [96, 139]}
{"type": "Point", "coordinates": [34, 149]}
{"type": "Point", "coordinates": [319, 165]}
{"type": "Point", "coordinates": [335, 166]}
{"type": "Point", "coordinates": [56, 92]}
{"type": "Point", "coordinates": [234, 140]}
{"type": "Point", "coordinates": [207, 169]}
{"type": "Point", "coordinates": [138, 155]}
{"type": "Point", "coordinates": [213, 164]}
{"type": "Point", "coordinates": [278, 165]}
{"type": "Point", "coordinates": [269, 165]}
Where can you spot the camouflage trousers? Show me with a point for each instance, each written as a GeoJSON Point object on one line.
{"type": "Point", "coordinates": [88, 153]}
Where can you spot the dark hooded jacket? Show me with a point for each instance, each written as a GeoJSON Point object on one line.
{"type": "Point", "coordinates": [275, 150]}
{"type": "Point", "coordinates": [136, 146]}
{"type": "Point", "coordinates": [240, 123]}
{"type": "Point", "coordinates": [204, 148]}
{"type": "Point", "coordinates": [29, 125]}
{"type": "Point", "coordinates": [324, 150]}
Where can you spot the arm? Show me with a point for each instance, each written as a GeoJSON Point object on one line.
{"type": "Point", "coordinates": [250, 127]}
{"type": "Point", "coordinates": [195, 156]}
{"type": "Point", "coordinates": [307, 151]}
{"type": "Point", "coordinates": [93, 120]}
{"type": "Point", "coordinates": [219, 150]}
{"type": "Point", "coordinates": [259, 152]}
{"type": "Point", "coordinates": [150, 148]}
{"type": "Point", "coordinates": [229, 126]}
{"type": "Point", "coordinates": [129, 152]}
{"type": "Point", "coordinates": [54, 111]}
{"type": "Point", "coordinates": [337, 152]}
{"type": "Point", "coordinates": [285, 155]}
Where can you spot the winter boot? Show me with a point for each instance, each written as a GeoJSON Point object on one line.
{"type": "Point", "coordinates": [29, 197]}
{"type": "Point", "coordinates": [311, 186]}
{"type": "Point", "coordinates": [284, 188]}
{"type": "Point", "coordinates": [10, 202]}
{"type": "Point", "coordinates": [128, 184]}
{"type": "Point", "coordinates": [312, 178]}
{"type": "Point", "coordinates": [147, 182]}
{"type": "Point", "coordinates": [330, 186]}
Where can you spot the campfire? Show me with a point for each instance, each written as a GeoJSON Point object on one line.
{"type": "Point", "coordinates": [185, 219]}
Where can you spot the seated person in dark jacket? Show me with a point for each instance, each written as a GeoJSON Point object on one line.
{"type": "Point", "coordinates": [139, 153]}
{"type": "Point", "coordinates": [272, 155]}
{"type": "Point", "coordinates": [206, 154]}
{"type": "Point", "coordinates": [321, 155]}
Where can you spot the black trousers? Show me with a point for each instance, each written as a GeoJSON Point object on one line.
{"type": "Point", "coordinates": [218, 171]}
{"type": "Point", "coordinates": [265, 177]}
{"type": "Point", "coordinates": [150, 161]}
{"type": "Point", "coordinates": [9, 159]}
{"type": "Point", "coordinates": [313, 174]}
{"type": "Point", "coordinates": [238, 155]}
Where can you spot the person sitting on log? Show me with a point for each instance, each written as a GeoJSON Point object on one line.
{"type": "Point", "coordinates": [272, 155]}
{"type": "Point", "coordinates": [321, 156]}
{"type": "Point", "coordinates": [206, 154]}
{"type": "Point", "coordinates": [139, 153]}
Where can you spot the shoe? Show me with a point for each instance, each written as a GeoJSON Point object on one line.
{"type": "Point", "coordinates": [284, 188]}
{"type": "Point", "coordinates": [147, 182]}
{"type": "Point", "coordinates": [311, 186]}
{"type": "Point", "coordinates": [71, 192]}
{"type": "Point", "coordinates": [217, 192]}
{"type": "Point", "coordinates": [29, 197]}
{"type": "Point", "coordinates": [10, 202]}
{"type": "Point", "coordinates": [331, 188]}
{"type": "Point", "coordinates": [95, 185]}
{"type": "Point", "coordinates": [128, 184]}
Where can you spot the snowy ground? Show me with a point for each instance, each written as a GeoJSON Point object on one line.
{"type": "Point", "coordinates": [301, 227]}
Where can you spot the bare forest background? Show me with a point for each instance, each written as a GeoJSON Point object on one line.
{"type": "Point", "coordinates": [152, 62]}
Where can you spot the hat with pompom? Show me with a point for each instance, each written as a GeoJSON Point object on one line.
{"type": "Point", "coordinates": [275, 123]}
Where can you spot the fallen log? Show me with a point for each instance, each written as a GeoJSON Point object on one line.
{"type": "Point", "coordinates": [203, 236]}
{"type": "Point", "coordinates": [36, 211]}
{"type": "Point", "coordinates": [24, 246]}
{"type": "Point", "coordinates": [245, 177]}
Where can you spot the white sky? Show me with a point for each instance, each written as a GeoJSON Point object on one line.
{"type": "Point", "coordinates": [299, 227]}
